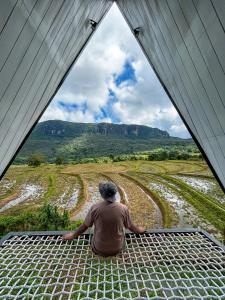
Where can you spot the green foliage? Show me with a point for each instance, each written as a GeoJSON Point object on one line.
{"type": "Point", "coordinates": [162, 204]}
{"type": "Point", "coordinates": [200, 156]}
{"type": "Point", "coordinates": [183, 156]}
{"type": "Point", "coordinates": [60, 160]}
{"type": "Point", "coordinates": [161, 154]}
{"type": "Point", "coordinates": [207, 206]}
{"type": "Point", "coordinates": [25, 221]}
{"type": "Point", "coordinates": [48, 217]}
{"type": "Point", "coordinates": [174, 153]}
{"type": "Point", "coordinates": [35, 160]}
{"type": "Point", "coordinates": [51, 187]}
{"type": "Point", "coordinates": [74, 225]}
{"type": "Point", "coordinates": [84, 143]}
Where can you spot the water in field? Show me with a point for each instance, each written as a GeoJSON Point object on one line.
{"type": "Point", "coordinates": [75, 188]}
{"type": "Point", "coordinates": [28, 192]}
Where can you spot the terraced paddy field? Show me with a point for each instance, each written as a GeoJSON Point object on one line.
{"type": "Point", "coordinates": [158, 194]}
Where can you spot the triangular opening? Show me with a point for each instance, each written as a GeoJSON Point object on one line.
{"type": "Point", "coordinates": [158, 169]}
{"type": "Point", "coordinates": [111, 80]}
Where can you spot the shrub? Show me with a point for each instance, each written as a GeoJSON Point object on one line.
{"type": "Point", "coordinates": [158, 155]}
{"type": "Point", "coordinates": [49, 218]}
{"type": "Point", "coordinates": [59, 160]}
{"type": "Point", "coordinates": [35, 160]}
{"type": "Point", "coordinates": [46, 218]}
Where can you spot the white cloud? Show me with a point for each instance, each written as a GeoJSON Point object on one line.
{"type": "Point", "coordinates": [144, 102]}
{"type": "Point", "coordinates": [56, 113]}
{"type": "Point", "coordinates": [178, 129]}
{"type": "Point", "coordinates": [106, 120]}
{"type": "Point", "coordinates": [103, 57]}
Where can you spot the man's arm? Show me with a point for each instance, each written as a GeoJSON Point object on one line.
{"type": "Point", "coordinates": [88, 222]}
{"type": "Point", "coordinates": [129, 224]}
{"type": "Point", "coordinates": [136, 229]}
{"type": "Point", "coordinates": [73, 235]}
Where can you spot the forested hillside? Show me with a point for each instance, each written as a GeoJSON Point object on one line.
{"type": "Point", "coordinates": [75, 141]}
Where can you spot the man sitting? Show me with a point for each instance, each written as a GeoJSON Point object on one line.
{"type": "Point", "coordinates": [109, 218]}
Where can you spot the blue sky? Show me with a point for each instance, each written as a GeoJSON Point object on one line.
{"type": "Point", "coordinates": [113, 82]}
{"type": "Point", "coordinates": [127, 75]}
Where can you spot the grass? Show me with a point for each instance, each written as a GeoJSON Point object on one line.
{"type": "Point", "coordinates": [165, 208]}
{"type": "Point", "coordinates": [141, 208]}
{"type": "Point", "coordinates": [168, 167]}
{"type": "Point", "coordinates": [51, 187]}
{"type": "Point", "coordinates": [95, 168]}
{"type": "Point", "coordinates": [207, 206]}
{"type": "Point", "coordinates": [82, 193]}
{"type": "Point", "coordinates": [183, 191]}
{"type": "Point", "coordinates": [131, 176]}
{"type": "Point", "coordinates": [55, 179]}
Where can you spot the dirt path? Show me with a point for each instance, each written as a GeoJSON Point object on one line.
{"type": "Point", "coordinates": [143, 209]}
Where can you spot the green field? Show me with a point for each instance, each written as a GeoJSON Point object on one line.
{"type": "Point", "coordinates": [158, 194]}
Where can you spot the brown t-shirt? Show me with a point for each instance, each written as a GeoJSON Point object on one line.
{"type": "Point", "coordinates": [109, 220]}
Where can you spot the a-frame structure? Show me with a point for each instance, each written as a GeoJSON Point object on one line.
{"type": "Point", "coordinates": [184, 42]}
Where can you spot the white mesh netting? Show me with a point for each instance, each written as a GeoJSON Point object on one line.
{"type": "Point", "coordinates": [154, 265]}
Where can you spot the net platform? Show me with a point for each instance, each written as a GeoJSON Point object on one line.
{"type": "Point", "coordinates": [161, 264]}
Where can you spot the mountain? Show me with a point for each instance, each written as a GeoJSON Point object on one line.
{"type": "Point", "coordinates": [58, 129]}
{"type": "Point", "coordinates": [74, 141]}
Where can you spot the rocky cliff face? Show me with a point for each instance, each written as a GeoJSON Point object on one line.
{"type": "Point", "coordinates": [69, 129]}
{"type": "Point", "coordinates": [75, 141]}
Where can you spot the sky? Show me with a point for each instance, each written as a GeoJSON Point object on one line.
{"type": "Point", "coordinates": [113, 82]}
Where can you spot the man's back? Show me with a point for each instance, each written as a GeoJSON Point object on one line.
{"type": "Point", "coordinates": [109, 219]}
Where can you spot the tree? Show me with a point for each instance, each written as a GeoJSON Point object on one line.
{"type": "Point", "coordinates": [152, 156]}
{"type": "Point", "coordinates": [184, 155]}
{"type": "Point", "coordinates": [35, 160]}
{"type": "Point", "coordinates": [173, 154]}
{"type": "Point", "coordinates": [59, 160]}
{"type": "Point", "coordinates": [111, 156]}
{"type": "Point", "coordinates": [200, 156]}
{"type": "Point", "coordinates": [158, 155]}
{"type": "Point", "coordinates": [163, 155]}
{"type": "Point", "coordinates": [133, 157]}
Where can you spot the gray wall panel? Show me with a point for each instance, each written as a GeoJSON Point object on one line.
{"type": "Point", "coordinates": [183, 40]}
{"type": "Point", "coordinates": [6, 10]}
{"type": "Point", "coordinates": [173, 59]}
{"type": "Point", "coordinates": [21, 80]}
{"type": "Point", "coordinates": [28, 89]}
{"type": "Point", "coordinates": [39, 42]}
{"type": "Point", "coordinates": [190, 66]}
{"type": "Point", "coordinates": [216, 77]}
{"type": "Point", "coordinates": [219, 7]}
{"type": "Point", "coordinates": [185, 43]}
